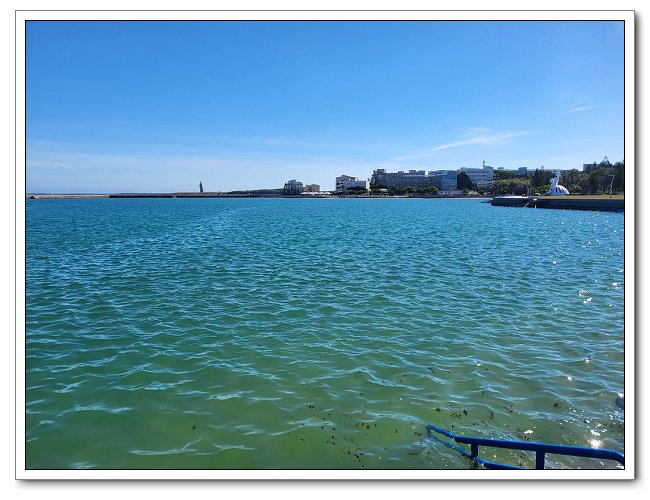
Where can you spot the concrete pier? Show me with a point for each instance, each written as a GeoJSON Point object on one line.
{"type": "Point", "coordinates": [600, 203]}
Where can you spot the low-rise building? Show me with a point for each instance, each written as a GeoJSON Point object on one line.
{"type": "Point", "coordinates": [312, 188]}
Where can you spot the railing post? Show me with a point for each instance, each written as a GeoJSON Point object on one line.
{"type": "Point", "coordinates": [540, 449]}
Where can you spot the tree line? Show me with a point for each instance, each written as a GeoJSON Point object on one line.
{"type": "Point", "coordinates": [596, 181]}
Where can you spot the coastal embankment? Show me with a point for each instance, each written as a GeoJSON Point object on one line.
{"type": "Point", "coordinates": [600, 203]}
{"type": "Point", "coordinates": [51, 196]}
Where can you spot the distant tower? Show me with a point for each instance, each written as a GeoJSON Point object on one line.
{"type": "Point", "coordinates": [200, 187]}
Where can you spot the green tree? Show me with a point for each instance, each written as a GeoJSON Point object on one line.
{"type": "Point", "coordinates": [507, 174]}
{"type": "Point", "coordinates": [356, 190]}
{"type": "Point", "coordinates": [595, 180]}
{"type": "Point", "coordinates": [463, 181]}
{"type": "Point", "coordinates": [511, 186]}
{"type": "Point", "coordinates": [536, 179]}
{"type": "Point", "coordinates": [541, 180]}
{"type": "Point", "coordinates": [570, 179]}
{"type": "Point", "coordinates": [427, 190]}
{"type": "Point", "coordinates": [619, 180]}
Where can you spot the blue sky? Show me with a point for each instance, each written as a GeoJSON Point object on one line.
{"type": "Point", "coordinates": [160, 106]}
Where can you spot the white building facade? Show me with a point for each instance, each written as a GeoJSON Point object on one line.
{"type": "Point", "coordinates": [345, 182]}
{"type": "Point", "coordinates": [480, 177]}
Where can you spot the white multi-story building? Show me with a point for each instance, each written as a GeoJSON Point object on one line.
{"type": "Point", "coordinates": [345, 182]}
{"type": "Point", "coordinates": [342, 179]}
{"type": "Point", "coordinates": [480, 177]}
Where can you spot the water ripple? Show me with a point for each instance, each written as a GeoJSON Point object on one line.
{"type": "Point", "coordinates": [316, 333]}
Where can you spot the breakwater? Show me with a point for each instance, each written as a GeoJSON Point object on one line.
{"type": "Point", "coordinates": [561, 202]}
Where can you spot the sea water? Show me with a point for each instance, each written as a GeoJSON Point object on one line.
{"type": "Point", "coordinates": [317, 333]}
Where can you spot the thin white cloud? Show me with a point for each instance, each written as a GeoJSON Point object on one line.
{"type": "Point", "coordinates": [581, 108]}
{"type": "Point", "coordinates": [473, 136]}
{"type": "Point", "coordinates": [480, 139]}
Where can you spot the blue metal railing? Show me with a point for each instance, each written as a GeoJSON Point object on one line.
{"type": "Point", "coordinates": [540, 449]}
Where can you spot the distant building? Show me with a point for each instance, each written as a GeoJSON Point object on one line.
{"type": "Point", "coordinates": [480, 177]}
{"type": "Point", "coordinates": [345, 182]}
{"type": "Point", "coordinates": [200, 187]}
{"type": "Point", "coordinates": [312, 188]}
{"type": "Point", "coordinates": [342, 179]}
{"type": "Point", "coordinates": [292, 187]}
{"type": "Point", "coordinates": [448, 179]}
{"type": "Point", "coordinates": [522, 171]}
{"type": "Point", "coordinates": [413, 178]}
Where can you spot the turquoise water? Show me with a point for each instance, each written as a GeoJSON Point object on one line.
{"type": "Point", "coordinates": [318, 333]}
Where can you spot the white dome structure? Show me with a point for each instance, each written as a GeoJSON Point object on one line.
{"type": "Point", "coordinates": [556, 189]}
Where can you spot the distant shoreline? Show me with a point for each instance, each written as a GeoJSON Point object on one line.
{"type": "Point", "coordinates": [239, 195]}
{"type": "Point", "coordinates": [253, 195]}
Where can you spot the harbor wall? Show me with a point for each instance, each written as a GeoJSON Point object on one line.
{"type": "Point", "coordinates": [560, 202]}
